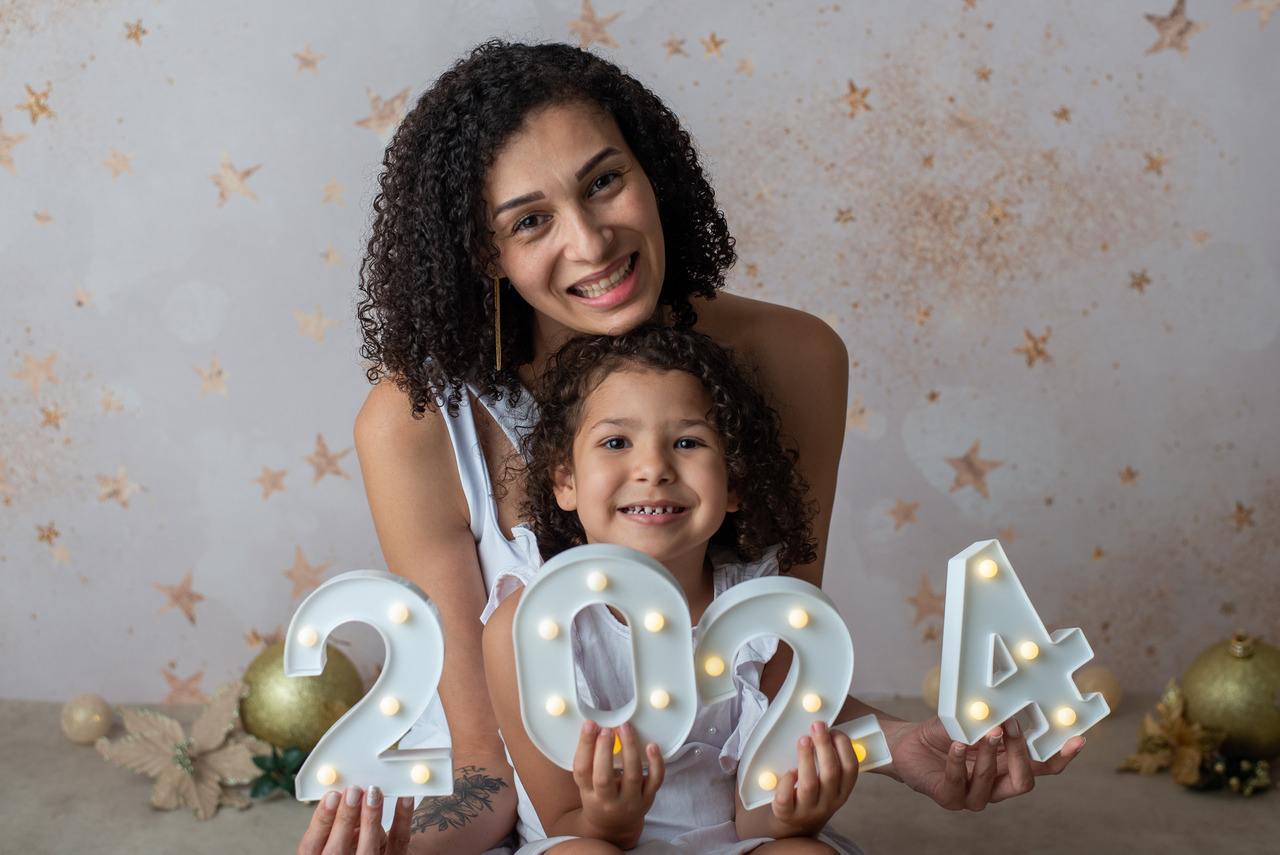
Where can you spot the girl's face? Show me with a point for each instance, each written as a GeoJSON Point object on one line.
{"type": "Point", "coordinates": [648, 470]}
{"type": "Point", "coordinates": [576, 225]}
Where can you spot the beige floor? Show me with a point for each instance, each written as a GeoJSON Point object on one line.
{"type": "Point", "coordinates": [61, 798]}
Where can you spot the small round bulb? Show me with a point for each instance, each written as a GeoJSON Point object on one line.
{"type": "Point", "coordinates": [327, 776]}
{"type": "Point", "coordinates": [556, 705]}
{"type": "Point", "coordinates": [308, 637]}
{"type": "Point", "coordinates": [979, 711]}
{"type": "Point", "coordinates": [420, 774]}
{"type": "Point", "coordinates": [859, 751]}
{"type": "Point", "coordinates": [399, 613]}
{"type": "Point", "coordinates": [714, 666]}
{"type": "Point", "coordinates": [987, 568]}
{"type": "Point", "coordinates": [811, 702]}
{"type": "Point", "coordinates": [389, 705]}
{"type": "Point", "coordinates": [548, 629]}
{"type": "Point", "coordinates": [1066, 716]}
{"type": "Point", "coordinates": [660, 698]}
{"type": "Point", "coordinates": [1029, 650]}
{"type": "Point", "coordinates": [767, 781]}
{"type": "Point", "coordinates": [654, 622]}
{"type": "Point", "coordinates": [597, 581]}
{"type": "Point", "coordinates": [798, 618]}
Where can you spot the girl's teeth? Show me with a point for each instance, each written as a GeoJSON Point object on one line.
{"type": "Point", "coordinates": [604, 286]}
{"type": "Point", "coordinates": [647, 510]}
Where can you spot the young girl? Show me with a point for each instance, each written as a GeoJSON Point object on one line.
{"type": "Point", "coordinates": [656, 440]}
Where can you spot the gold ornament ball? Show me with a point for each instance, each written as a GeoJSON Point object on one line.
{"type": "Point", "coordinates": [1098, 679]}
{"type": "Point", "coordinates": [931, 683]}
{"type": "Point", "coordinates": [1235, 685]}
{"type": "Point", "coordinates": [294, 712]}
{"type": "Point", "coordinates": [86, 718]}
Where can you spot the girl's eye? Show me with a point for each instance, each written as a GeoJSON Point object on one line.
{"type": "Point", "coordinates": [614, 443]}
{"type": "Point", "coordinates": [687, 443]}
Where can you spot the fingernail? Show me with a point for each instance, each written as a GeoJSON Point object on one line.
{"type": "Point", "coordinates": [406, 802]}
{"type": "Point", "coordinates": [1012, 728]}
{"type": "Point", "coordinates": [958, 749]}
{"type": "Point", "coordinates": [806, 741]}
{"type": "Point", "coordinates": [353, 795]}
{"type": "Point", "coordinates": [373, 798]}
{"type": "Point", "coordinates": [331, 800]}
{"type": "Point", "coordinates": [994, 739]}
{"type": "Point", "coordinates": [624, 728]}
{"type": "Point", "coordinates": [818, 727]}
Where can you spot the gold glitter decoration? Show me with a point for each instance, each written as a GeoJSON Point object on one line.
{"type": "Point", "coordinates": [1233, 685]}
{"type": "Point", "coordinates": [1172, 742]}
{"type": "Point", "coordinates": [294, 712]}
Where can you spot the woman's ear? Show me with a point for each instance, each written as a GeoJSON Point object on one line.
{"type": "Point", "coordinates": [566, 496]}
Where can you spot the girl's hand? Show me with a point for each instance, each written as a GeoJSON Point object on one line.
{"type": "Point", "coordinates": [960, 777]}
{"type": "Point", "coordinates": [809, 795]}
{"type": "Point", "coordinates": [350, 823]}
{"type": "Point", "coordinates": [615, 805]}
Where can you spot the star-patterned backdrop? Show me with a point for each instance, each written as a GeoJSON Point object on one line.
{"type": "Point", "coordinates": [1046, 232]}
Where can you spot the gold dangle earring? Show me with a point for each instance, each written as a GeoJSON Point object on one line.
{"type": "Point", "coordinates": [497, 324]}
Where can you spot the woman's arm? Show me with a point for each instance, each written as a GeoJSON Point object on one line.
{"type": "Point", "coordinates": [423, 525]}
{"type": "Point", "coordinates": [590, 801]}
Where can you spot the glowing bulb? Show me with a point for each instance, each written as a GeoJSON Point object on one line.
{"type": "Point", "coordinates": [811, 702]}
{"type": "Point", "coordinates": [399, 613]}
{"type": "Point", "coordinates": [556, 705]}
{"type": "Point", "coordinates": [654, 622]}
{"type": "Point", "coordinates": [1066, 716]}
{"type": "Point", "coordinates": [597, 581]}
{"type": "Point", "coordinates": [979, 710]}
{"type": "Point", "coordinates": [714, 666]}
{"type": "Point", "coordinates": [327, 776]}
{"type": "Point", "coordinates": [308, 637]}
{"type": "Point", "coordinates": [767, 781]}
{"type": "Point", "coordinates": [1029, 649]}
{"type": "Point", "coordinates": [987, 568]}
{"type": "Point", "coordinates": [798, 618]}
{"type": "Point", "coordinates": [660, 698]}
{"type": "Point", "coordinates": [389, 705]}
{"type": "Point", "coordinates": [548, 629]}
{"type": "Point", "coordinates": [859, 751]}
{"type": "Point", "coordinates": [420, 774]}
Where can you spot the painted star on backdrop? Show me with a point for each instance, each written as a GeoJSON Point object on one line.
{"type": "Point", "coordinates": [844, 215]}
{"type": "Point", "coordinates": [927, 603]}
{"type": "Point", "coordinates": [926, 162]}
{"type": "Point", "coordinates": [1034, 349]}
{"type": "Point", "coordinates": [184, 691]}
{"type": "Point", "coordinates": [971, 470]}
{"type": "Point", "coordinates": [930, 633]}
{"type": "Point", "coordinates": [119, 163]}
{"type": "Point", "coordinates": [1007, 535]}
{"type": "Point", "coordinates": [713, 45]}
{"type": "Point", "coordinates": [61, 555]}
{"type": "Point", "coordinates": [932, 396]}
{"type": "Point", "coordinates": [37, 371]}
{"type": "Point", "coordinates": [181, 597]}
{"type": "Point", "coordinates": [997, 212]}
{"type": "Point", "coordinates": [42, 218]}
{"type": "Point", "coordinates": [1201, 237]}
{"type": "Point", "coordinates": [746, 65]}
{"type": "Point", "coordinates": [109, 403]}
{"type": "Point", "coordinates": [333, 191]}
{"type": "Point", "coordinates": [37, 103]}
{"type": "Point", "coordinates": [331, 257]}
{"type": "Point", "coordinates": [271, 480]}
{"type": "Point", "coordinates": [303, 575]}
{"type": "Point", "coordinates": [674, 46]}
{"type": "Point", "coordinates": [231, 181]}
{"type": "Point", "coordinates": [855, 99]}
{"type": "Point", "coordinates": [83, 298]}
{"type": "Point", "coordinates": [921, 315]}
{"type": "Point", "coordinates": [1264, 8]}
{"type": "Point", "coordinates": [8, 142]}
{"type": "Point", "coordinates": [591, 28]}
{"type": "Point", "coordinates": [1242, 517]}
{"type": "Point", "coordinates": [53, 416]}
{"type": "Point", "coordinates": [1174, 29]}
{"type": "Point", "coordinates": [135, 32]}
{"type": "Point", "coordinates": [117, 489]}
{"type": "Point", "coordinates": [983, 73]}
{"type": "Point", "coordinates": [1128, 475]}
{"type": "Point", "coordinates": [384, 116]}
{"type": "Point", "coordinates": [324, 461]}
{"type": "Point", "coordinates": [766, 191]}
{"type": "Point", "coordinates": [1139, 281]}
{"type": "Point", "coordinates": [856, 417]}
{"type": "Point", "coordinates": [1098, 553]}
{"type": "Point", "coordinates": [257, 639]}
{"type": "Point", "coordinates": [48, 533]}
{"type": "Point", "coordinates": [1156, 163]}
{"type": "Point", "coordinates": [314, 324]}
{"type": "Point", "coordinates": [903, 513]}
{"type": "Point", "coordinates": [1063, 114]}
{"type": "Point", "coordinates": [308, 61]}
{"type": "Point", "coordinates": [213, 378]}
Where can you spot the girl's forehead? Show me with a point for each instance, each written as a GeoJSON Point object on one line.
{"type": "Point", "coordinates": [637, 386]}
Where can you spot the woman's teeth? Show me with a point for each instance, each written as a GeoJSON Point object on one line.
{"type": "Point", "coordinates": [604, 286]}
{"type": "Point", "coordinates": [648, 510]}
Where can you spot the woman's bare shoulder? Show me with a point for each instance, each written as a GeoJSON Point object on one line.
{"type": "Point", "coordinates": [769, 334]}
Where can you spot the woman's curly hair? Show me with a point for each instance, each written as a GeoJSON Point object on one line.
{"type": "Point", "coordinates": [762, 471]}
{"type": "Point", "coordinates": [427, 307]}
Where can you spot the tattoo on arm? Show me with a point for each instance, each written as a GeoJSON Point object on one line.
{"type": "Point", "coordinates": [472, 791]}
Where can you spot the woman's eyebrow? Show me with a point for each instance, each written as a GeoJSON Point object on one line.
{"type": "Point", "coordinates": [537, 194]}
{"type": "Point", "coordinates": [591, 164]}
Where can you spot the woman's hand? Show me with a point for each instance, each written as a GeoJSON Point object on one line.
{"type": "Point", "coordinates": [615, 805]}
{"type": "Point", "coordinates": [809, 795]}
{"type": "Point", "coordinates": [350, 823]}
{"type": "Point", "coordinates": [960, 777]}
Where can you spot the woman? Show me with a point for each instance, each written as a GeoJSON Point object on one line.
{"type": "Point", "coordinates": [535, 193]}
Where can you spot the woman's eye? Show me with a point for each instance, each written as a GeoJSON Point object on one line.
{"type": "Point", "coordinates": [526, 223]}
{"type": "Point", "coordinates": [603, 182]}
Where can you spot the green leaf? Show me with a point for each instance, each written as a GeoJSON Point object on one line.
{"type": "Point", "coordinates": [262, 786]}
{"type": "Point", "coordinates": [293, 759]}
{"type": "Point", "coordinates": [265, 762]}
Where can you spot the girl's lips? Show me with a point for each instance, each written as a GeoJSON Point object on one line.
{"type": "Point", "coordinates": [653, 514]}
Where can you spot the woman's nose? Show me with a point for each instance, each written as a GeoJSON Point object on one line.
{"type": "Point", "coordinates": [588, 240]}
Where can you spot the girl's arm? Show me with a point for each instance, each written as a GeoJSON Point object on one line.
{"type": "Point", "coordinates": [423, 525]}
{"type": "Point", "coordinates": [589, 801]}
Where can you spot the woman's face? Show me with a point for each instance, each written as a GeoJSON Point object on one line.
{"type": "Point", "coordinates": [576, 225]}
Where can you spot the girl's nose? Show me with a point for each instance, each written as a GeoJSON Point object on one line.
{"type": "Point", "coordinates": [652, 466]}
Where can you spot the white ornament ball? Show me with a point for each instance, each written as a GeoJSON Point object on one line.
{"type": "Point", "coordinates": [931, 683]}
{"type": "Point", "coordinates": [1098, 679]}
{"type": "Point", "coordinates": [87, 718]}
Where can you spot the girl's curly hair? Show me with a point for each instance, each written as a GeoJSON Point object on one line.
{"type": "Point", "coordinates": [427, 307]}
{"type": "Point", "coordinates": [762, 471]}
